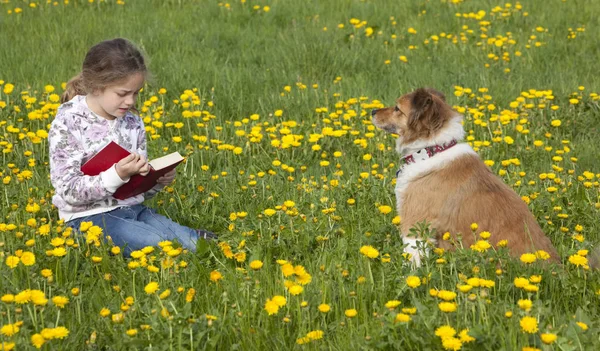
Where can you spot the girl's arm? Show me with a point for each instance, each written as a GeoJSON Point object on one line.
{"type": "Point", "coordinates": [66, 155]}
{"type": "Point", "coordinates": [143, 150]}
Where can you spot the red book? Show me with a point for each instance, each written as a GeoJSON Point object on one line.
{"type": "Point", "coordinates": [137, 184]}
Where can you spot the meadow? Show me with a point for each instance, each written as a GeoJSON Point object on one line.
{"type": "Point", "coordinates": [270, 102]}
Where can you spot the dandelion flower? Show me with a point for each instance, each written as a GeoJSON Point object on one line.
{"type": "Point", "coordinates": [481, 246]}
{"type": "Point", "coordinates": [384, 209]}
{"type": "Point", "coordinates": [60, 301]}
{"type": "Point", "coordinates": [445, 331]}
{"type": "Point", "coordinates": [548, 338]}
{"type": "Point", "coordinates": [402, 318]}
{"type": "Point", "coordinates": [8, 298]}
{"type": "Point", "coordinates": [296, 289]}
{"type": "Point", "coordinates": [28, 258]}
{"type": "Point", "coordinates": [215, 276]}
{"type": "Point", "coordinates": [369, 251]}
{"type": "Point", "coordinates": [447, 306]}
{"type": "Point", "coordinates": [578, 260]}
{"type": "Point", "coordinates": [60, 332]}
{"type": "Point", "coordinates": [59, 252]}
{"type": "Point", "coordinates": [528, 258]}
{"type": "Point", "coordinates": [324, 308]}
{"type": "Point", "coordinates": [189, 296]}
{"type": "Point", "coordinates": [104, 312]}
{"type": "Point", "coordinates": [287, 270]}
{"type": "Point", "coordinates": [409, 310]}
{"type": "Point", "coordinates": [529, 324]}
{"type": "Point", "coordinates": [151, 288]}
{"type": "Point", "coordinates": [271, 307]}
{"type": "Point", "coordinates": [392, 304]}
{"type": "Point", "coordinates": [465, 337]}
{"type": "Point", "coordinates": [37, 340]}
{"type": "Point", "coordinates": [256, 265]}
{"type": "Point", "coordinates": [163, 295]}
{"type": "Point", "coordinates": [525, 305]}
{"type": "Point", "coordinates": [451, 343]}
{"type": "Point", "coordinates": [350, 313]}
{"type": "Point", "coordinates": [315, 335]}
{"type": "Point", "coordinates": [413, 282]}
{"type": "Point", "coordinates": [542, 255]}
{"type": "Point", "coordinates": [12, 261]}
{"type": "Point", "coordinates": [521, 282]}
{"type": "Point", "coordinates": [302, 340]}
{"type": "Point", "coordinates": [446, 295]}
{"type": "Point", "coordinates": [279, 300]}
{"type": "Point", "coordinates": [9, 329]}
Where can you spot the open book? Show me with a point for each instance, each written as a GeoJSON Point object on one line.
{"type": "Point", "coordinates": [138, 184]}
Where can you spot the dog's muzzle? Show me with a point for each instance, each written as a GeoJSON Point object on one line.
{"type": "Point", "coordinates": [374, 112]}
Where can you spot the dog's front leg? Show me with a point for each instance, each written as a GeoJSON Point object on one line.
{"type": "Point", "coordinates": [417, 248]}
{"type": "Point", "coordinates": [412, 248]}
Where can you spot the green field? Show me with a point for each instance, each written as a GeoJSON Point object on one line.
{"type": "Point", "coordinates": [270, 101]}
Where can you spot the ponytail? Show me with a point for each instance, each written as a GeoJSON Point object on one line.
{"type": "Point", "coordinates": [75, 87]}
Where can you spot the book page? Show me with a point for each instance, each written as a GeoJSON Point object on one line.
{"type": "Point", "coordinates": [165, 161]}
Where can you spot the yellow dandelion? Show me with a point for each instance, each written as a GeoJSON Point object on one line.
{"type": "Point", "coordinates": [324, 308]}
{"type": "Point", "coordinates": [529, 324]}
{"type": "Point", "coordinates": [256, 265]}
{"type": "Point", "coordinates": [413, 282]}
{"type": "Point", "coordinates": [215, 276]}
{"type": "Point", "coordinates": [548, 338]}
{"type": "Point", "coordinates": [271, 307]}
{"type": "Point", "coordinates": [151, 288]}
{"type": "Point", "coordinates": [402, 318]}
{"type": "Point", "coordinates": [350, 313]}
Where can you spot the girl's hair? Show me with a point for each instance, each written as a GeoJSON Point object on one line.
{"type": "Point", "coordinates": [107, 62]}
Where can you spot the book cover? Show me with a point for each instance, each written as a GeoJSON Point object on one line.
{"type": "Point", "coordinates": [138, 184]}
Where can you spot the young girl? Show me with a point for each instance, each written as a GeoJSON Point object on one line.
{"type": "Point", "coordinates": [96, 110]}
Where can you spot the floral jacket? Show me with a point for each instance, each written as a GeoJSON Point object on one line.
{"type": "Point", "coordinates": [77, 134]}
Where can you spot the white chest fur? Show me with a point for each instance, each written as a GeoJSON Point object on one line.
{"type": "Point", "coordinates": [422, 167]}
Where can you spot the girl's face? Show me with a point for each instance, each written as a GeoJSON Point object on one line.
{"type": "Point", "coordinates": [115, 100]}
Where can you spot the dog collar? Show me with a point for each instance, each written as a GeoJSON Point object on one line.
{"type": "Point", "coordinates": [423, 154]}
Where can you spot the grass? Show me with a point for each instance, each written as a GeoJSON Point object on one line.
{"type": "Point", "coordinates": [243, 65]}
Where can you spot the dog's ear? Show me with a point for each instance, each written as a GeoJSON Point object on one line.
{"type": "Point", "coordinates": [421, 109]}
{"type": "Point", "coordinates": [439, 94]}
{"type": "Point", "coordinates": [428, 112]}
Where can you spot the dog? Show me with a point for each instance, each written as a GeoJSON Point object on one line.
{"type": "Point", "coordinates": [443, 181]}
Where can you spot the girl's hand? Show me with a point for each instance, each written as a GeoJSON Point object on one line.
{"type": "Point", "coordinates": [145, 169]}
{"type": "Point", "coordinates": [130, 165]}
{"type": "Point", "coordinates": [167, 178]}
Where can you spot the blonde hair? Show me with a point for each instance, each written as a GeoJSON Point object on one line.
{"type": "Point", "coordinates": [105, 63]}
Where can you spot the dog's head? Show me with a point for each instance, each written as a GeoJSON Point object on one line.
{"type": "Point", "coordinates": [418, 116]}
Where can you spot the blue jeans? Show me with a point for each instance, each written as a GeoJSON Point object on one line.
{"type": "Point", "coordinates": [135, 227]}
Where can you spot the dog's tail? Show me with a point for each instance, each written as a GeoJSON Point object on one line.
{"type": "Point", "coordinates": [594, 258]}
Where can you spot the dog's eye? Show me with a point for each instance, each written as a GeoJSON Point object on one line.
{"type": "Point", "coordinates": [396, 109]}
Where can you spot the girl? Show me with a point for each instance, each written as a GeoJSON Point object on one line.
{"type": "Point", "coordinates": [96, 110]}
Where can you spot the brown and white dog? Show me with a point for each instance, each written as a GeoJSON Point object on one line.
{"type": "Point", "coordinates": [444, 182]}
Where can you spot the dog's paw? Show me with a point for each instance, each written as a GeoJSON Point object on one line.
{"type": "Point", "coordinates": [413, 250]}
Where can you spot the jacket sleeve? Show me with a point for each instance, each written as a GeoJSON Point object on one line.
{"type": "Point", "coordinates": [66, 155]}
{"type": "Point", "coordinates": [143, 150]}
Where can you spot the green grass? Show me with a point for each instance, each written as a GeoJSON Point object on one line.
{"type": "Point", "coordinates": [240, 60]}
